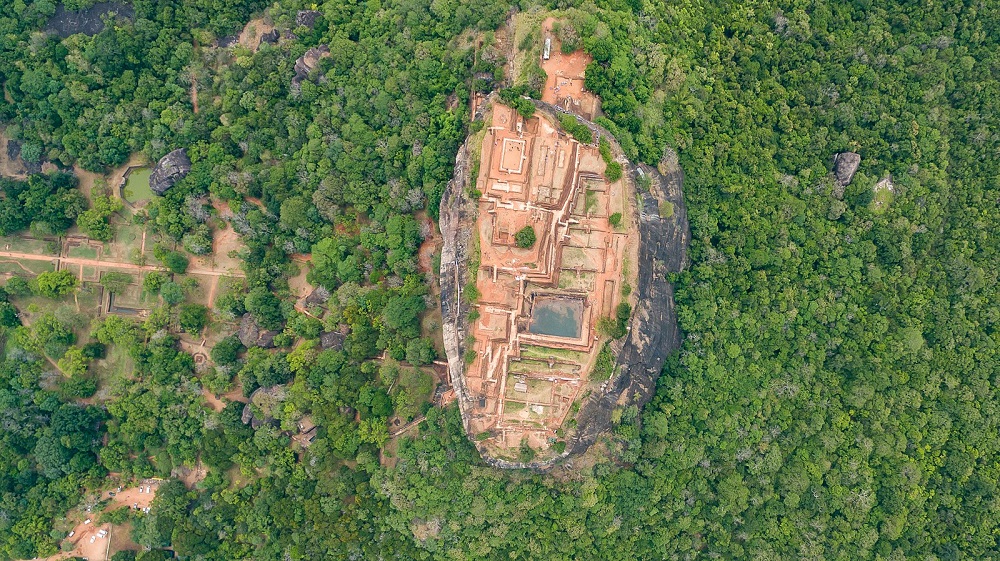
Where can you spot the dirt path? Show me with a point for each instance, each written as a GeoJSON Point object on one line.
{"type": "Point", "coordinates": [23, 268]}
{"type": "Point", "coordinates": [430, 246]}
{"type": "Point", "coordinates": [87, 180]}
{"type": "Point", "coordinates": [215, 403]}
{"type": "Point", "coordinates": [194, 83]}
{"type": "Point", "coordinates": [211, 291]}
{"type": "Point", "coordinates": [115, 264]}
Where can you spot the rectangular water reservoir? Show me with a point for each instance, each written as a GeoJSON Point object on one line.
{"type": "Point", "coordinates": [558, 316]}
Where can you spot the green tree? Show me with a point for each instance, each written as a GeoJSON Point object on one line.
{"type": "Point", "coordinates": [96, 222]}
{"type": "Point", "coordinates": [74, 362]}
{"type": "Point", "coordinates": [153, 281]}
{"type": "Point", "coordinates": [9, 316]}
{"type": "Point", "coordinates": [116, 282]}
{"type": "Point", "coordinates": [176, 261]}
{"type": "Point", "coordinates": [172, 293]}
{"type": "Point", "coordinates": [420, 352]}
{"type": "Point", "coordinates": [193, 317]}
{"type": "Point", "coordinates": [56, 284]}
{"type": "Point", "coordinates": [265, 307]}
{"type": "Point", "coordinates": [17, 286]}
{"type": "Point", "coordinates": [525, 237]}
{"type": "Point", "coordinates": [227, 350]}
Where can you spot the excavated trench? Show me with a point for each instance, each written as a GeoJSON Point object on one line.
{"type": "Point", "coordinates": [653, 331]}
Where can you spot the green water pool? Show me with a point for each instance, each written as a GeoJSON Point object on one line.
{"type": "Point", "coordinates": [556, 316]}
{"type": "Point", "coordinates": [137, 185]}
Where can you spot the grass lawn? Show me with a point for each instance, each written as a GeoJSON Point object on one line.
{"type": "Point", "coordinates": [28, 245]}
{"type": "Point", "coordinates": [116, 364]}
{"type": "Point", "coordinates": [25, 268]}
{"type": "Point", "coordinates": [83, 252]}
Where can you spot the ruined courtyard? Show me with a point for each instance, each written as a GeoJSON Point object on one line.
{"type": "Point", "coordinates": [533, 335]}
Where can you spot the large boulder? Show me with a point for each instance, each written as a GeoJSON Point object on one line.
{"type": "Point", "coordinates": [264, 403]}
{"type": "Point", "coordinates": [307, 18]}
{"type": "Point", "coordinates": [307, 63]}
{"type": "Point", "coordinates": [845, 165]}
{"type": "Point", "coordinates": [169, 170]}
{"type": "Point", "coordinates": [271, 37]}
{"type": "Point", "coordinates": [251, 335]}
{"type": "Point", "coordinates": [89, 21]}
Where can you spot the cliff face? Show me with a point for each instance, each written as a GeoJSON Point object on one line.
{"type": "Point", "coordinates": [653, 332]}
{"type": "Point", "coordinates": [664, 235]}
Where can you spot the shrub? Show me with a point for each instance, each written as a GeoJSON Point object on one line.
{"type": "Point", "coordinates": [613, 172]}
{"type": "Point", "coordinates": [576, 129]}
{"type": "Point", "coordinates": [525, 237]}
{"type": "Point", "coordinates": [608, 328]}
{"type": "Point", "coordinates": [615, 219]}
{"type": "Point", "coordinates": [604, 364]}
{"type": "Point", "coordinates": [526, 453]}
{"type": "Point", "coordinates": [77, 387]}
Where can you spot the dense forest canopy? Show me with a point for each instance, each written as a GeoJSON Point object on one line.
{"type": "Point", "coordinates": [836, 394]}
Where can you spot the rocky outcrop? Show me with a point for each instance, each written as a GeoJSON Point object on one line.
{"type": "Point", "coordinates": [664, 235]}
{"type": "Point", "coordinates": [332, 340]}
{"type": "Point", "coordinates": [845, 165]}
{"type": "Point", "coordinates": [89, 21]}
{"type": "Point", "coordinates": [263, 402]}
{"type": "Point", "coordinates": [18, 166]}
{"type": "Point", "coordinates": [307, 63]}
{"type": "Point", "coordinates": [169, 170]}
{"type": "Point", "coordinates": [251, 335]}
{"type": "Point", "coordinates": [317, 297]}
{"type": "Point", "coordinates": [271, 37]}
{"type": "Point", "coordinates": [307, 18]}
{"type": "Point", "coordinates": [653, 334]}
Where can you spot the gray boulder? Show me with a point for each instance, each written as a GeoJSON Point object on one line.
{"type": "Point", "coordinates": [89, 21]}
{"type": "Point", "coordinates": [169, 170]}
{"type": "Point", "coordinates": [307, 18]}
{"type": "Point", "coordinates": [845, 165]}
{"type": "Point", "coordinates": [251, 335]}
{"type": "Point", "coordinates": [307, 63]}
{"type": "Point", "coordinates": [270, 37]}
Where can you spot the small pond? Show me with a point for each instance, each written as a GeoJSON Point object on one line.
{"type": "Point", "coordinates": [556, 316]}
{"type": "Point", "coordinates": [136, 188]}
